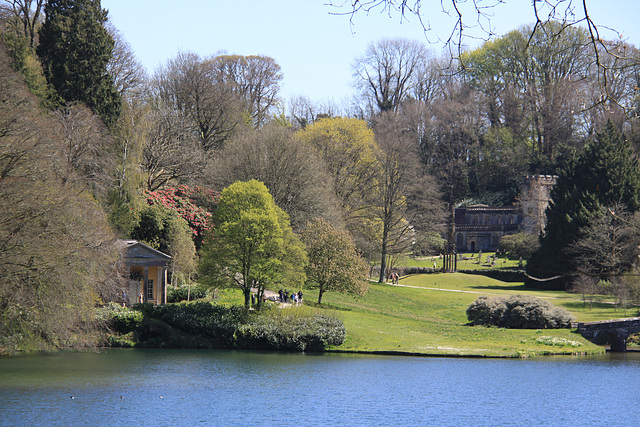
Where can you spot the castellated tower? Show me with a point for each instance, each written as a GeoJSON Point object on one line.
{"type": "Point", "coordinates": [534, 199]}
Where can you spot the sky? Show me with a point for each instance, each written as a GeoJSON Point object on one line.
{"type": "Point", "coordinates": [314, 47]}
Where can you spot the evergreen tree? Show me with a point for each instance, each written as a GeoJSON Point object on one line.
{"type": "Point", "coordinates": [605, 174]}
{"type": "Point", "coordinates": [75, 49]}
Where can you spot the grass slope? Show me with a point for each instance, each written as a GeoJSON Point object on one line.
{"type": "Point", "coordinates": [426, 315]}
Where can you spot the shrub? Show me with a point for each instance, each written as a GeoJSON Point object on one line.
{"type": "Point", "coordinates": [517, 311]}
{"type": "Point", "coordinates": [181, 293]}
{"type": "Point", "coordinates": [231, 327]}
{"type": "Point", "coordinates": [290, 332]}
{"type": "Point", "coordinates": [519, 245]}
{"type": "Point", "coordinates": [119, 318]}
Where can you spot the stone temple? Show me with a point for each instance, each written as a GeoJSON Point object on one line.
{"type": "Point", "coordinates": [480, 227]}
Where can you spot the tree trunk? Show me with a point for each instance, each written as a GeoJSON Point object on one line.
{"type": "Point", "coordinates": [383, 261]}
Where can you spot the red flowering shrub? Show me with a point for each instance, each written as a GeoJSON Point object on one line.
{"type": "Point", "coordinates": [193, 204]}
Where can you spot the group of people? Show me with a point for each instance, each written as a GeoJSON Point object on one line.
{"type": "Point", "coordinates": [394, 278]}
{"type": "Point", "coordinates": [296, 297]}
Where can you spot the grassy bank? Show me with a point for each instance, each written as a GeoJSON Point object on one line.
{"type": "Point", "coordinates": [426, 315]}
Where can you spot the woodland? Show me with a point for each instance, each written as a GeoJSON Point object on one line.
{"type": "Point", "coordinates": [92, 150]}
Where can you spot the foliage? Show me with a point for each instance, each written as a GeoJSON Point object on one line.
{"type": "Point", "coordinates": [334, 262]}
{"type": "Point", "coordinates": [233, 327]}
{"type": "Point", "coordinates": [163, 229]}
{"type": "Point", "coordinates": [184, 293]}
{"type": "Point", "coordinates": [349, 150]}
{"type": "Point", "coordinates": [193, 204]}
{"type": "Point", "coordinates": [605, 174]}
{"type": "Point", "coordinates": [291, 332]}
{"type": "Point", "coordinates": [249, 246]}
{"type": "Point", "coordinates": [291, 170]}
{"type": "Point", "coordinates": [157, 226]}
{"type": "Point", "coordinates": [25, 61]}
{"type": "Point", "coordinates": [57, 251]}
{"type": "Point", "coordinates": [519, 245]}
{"type": "Point", "coordinates": [518, 312]}
{"type": "Point", "coordinates": [122, 319]}
{"type": "Point", "coordinates": [75, 49]}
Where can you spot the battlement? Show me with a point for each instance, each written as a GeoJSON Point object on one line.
{"type": "Point", "coordinates": [541, 179]}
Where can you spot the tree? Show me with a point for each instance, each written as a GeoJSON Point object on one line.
{"type": "Point", "coordinates": [348, 148]}
{"type": "Point", "coordinates": [87, 148]}
{"type": "Point", "coordinates": [334, 262]}
{"type": "Point", "coordinates": [606, 173]}
{"type": "Point", "coordinates": [29, 14]}
{"type": "Point", "coordinates": [387, 72]}
{"type": "Point", "coordinates": [163, 229]}
{"type": "Point", "coordinates": [254, 79]}
{"type": "Point", "coordinates": [472, 20]}
{"type": "Point", "coordinates": [171, 153]}
{"type": "Point", "coordinates": [247, 245]}
{"type": "Point", "coordinates": [57, 255]}
{"type": "Point", "coordinates": [128, 73]}
{"type": "Point", "coordinates": [402, 195]}
{"type": "Point", "coordinates": [194, 205]}
{"type": "Point", "coordinates": [291, 170]}
{"type": "Point", "coordinates": [75, 49]}
{"type": "Point", "coordinates": [191, 87]}
{"type": "Point", "coordinates": [534, 84]}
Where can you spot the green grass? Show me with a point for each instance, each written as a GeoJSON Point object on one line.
{"type": "Point", "coordinates": [427, 316]}
{"type": "Point", "coordinates": [463, 264]}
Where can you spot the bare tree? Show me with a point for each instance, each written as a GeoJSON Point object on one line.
{"type": "Point", "coordinates": [254, 79]}
{"type": "Point", "coordinates": [87, 147]}
{"type": "Point", "coordinates": [171, 154]}
{"type": "Point", "coordinates": [128, 73]}
{"type": "Point", "coordinates": [399, 199]}
{"type": "Point", "coordinates": [472, 20]}
{"type": "Point", "coordinates": [189, 85]}
{"type": "Point", "coordinates": [388, 70]}
{"type": "Point", "coordinates": [29, 15]}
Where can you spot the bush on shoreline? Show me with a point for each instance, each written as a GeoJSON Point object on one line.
{"type": "Point", "coordinates": [205, 325]}
{"type": "Point", "coordinates": [517, 312]}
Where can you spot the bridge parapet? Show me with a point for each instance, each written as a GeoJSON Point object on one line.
{"type": "Point", "coordinates": [618, 331]}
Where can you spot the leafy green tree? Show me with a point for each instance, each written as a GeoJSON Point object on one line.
{"type": "Point", "coordinates": [605, 174]}
{"type": "Point", "coordinates": [163, 229]}
{"type": "Point", "coordinates": [75, 49]}
{"type": "Point", "coordinates": [248, 246]}
{"type": "Point", "coordinates": [334, 262]}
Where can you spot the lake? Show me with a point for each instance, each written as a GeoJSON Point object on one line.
{"type": "Point", "coordinates": [210, 387]}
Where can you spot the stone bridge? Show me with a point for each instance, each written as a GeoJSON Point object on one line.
{"type": "Point", "coordinates": [618, 331]}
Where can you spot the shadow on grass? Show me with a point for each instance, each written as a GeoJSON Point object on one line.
{"type": "Point", "coordinates": [504, 288]}
{"type": "Point", "coordinates": [579, 305]}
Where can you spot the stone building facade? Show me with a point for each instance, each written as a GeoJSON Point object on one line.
{"type": "Point", "coordinates": [480, 227]}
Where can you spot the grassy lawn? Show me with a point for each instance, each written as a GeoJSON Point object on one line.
{"type": "Point", "coordinates": [427, 316]}
{"type": "Point", "coordinates": [468, 262]}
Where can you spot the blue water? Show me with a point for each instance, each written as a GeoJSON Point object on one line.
{"type": "Point", "coordinates": [205, 387]}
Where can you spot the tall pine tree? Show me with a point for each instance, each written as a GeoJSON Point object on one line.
{"type": "Point", "coordinates": [74, 50]}
{"type": "Point", "coordinates": [605, 174]}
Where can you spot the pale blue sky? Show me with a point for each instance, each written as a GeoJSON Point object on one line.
{"type": "Point", "coordinates": [314, 48]}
